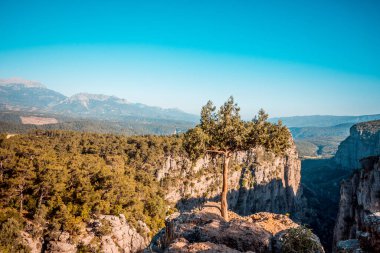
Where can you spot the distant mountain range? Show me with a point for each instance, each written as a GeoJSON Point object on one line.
{"type": "Point", "coordinates": [323, 120]}
{"type": "Point", "coordinates": [23, 102]}
{"type": "Point", "coordinates": [23, 95]}
{"type": "Point", "coordinates": [320, 135]}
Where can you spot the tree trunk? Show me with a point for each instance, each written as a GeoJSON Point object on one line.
{"type": "Point", "coordinates": [21, 202]}
{"type": "Point", "coordinates": [40, 202]}
{"type": "Point", "coordinates": [224, 204]}
{"type": "Point", "coordinates": [21, 191]}
{"type": "Point", "coordinates": [1, 171]}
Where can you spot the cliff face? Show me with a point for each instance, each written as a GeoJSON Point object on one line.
{"type": "Point", "coordinates": [359, 209]}
{"type": "Point", "coordinates": [258, 181]}
{"type": "Point", "coordinates": [364, 141]}
{"type": "Point", "coordinates": [204, 230]}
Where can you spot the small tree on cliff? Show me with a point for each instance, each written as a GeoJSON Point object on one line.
{"type": "Point", "coordinates": [220, 133]}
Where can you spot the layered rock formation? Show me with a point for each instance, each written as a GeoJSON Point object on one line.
{"type": "Point", "coordinates": [204, 230]}
{"type": "Point", "coordinates": [108, 234]}
{"type": "Point", "coordinates": [258, 181]}
{"type": "Point", "coordinates": [364, 141]}
{"type": "Point", "coordinates": [358, 222]}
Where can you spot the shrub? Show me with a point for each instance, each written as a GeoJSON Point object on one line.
{"type": "Point", "coordinates": [10, 239]}
{"type": "Point", "coordinates": [300, 240]}
{"type": "Point", "coordinates": [104, 229]}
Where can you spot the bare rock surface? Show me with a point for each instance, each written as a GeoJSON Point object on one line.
{"type": "Point", "coordinates": [349, 246]}
{"type": "Point", "coordinates": [364, 141]}
{"type": "Point", "coordinates": [359, 207]}
{"type": "Point", "coordinates": [259, 181]}
{"type": "Point", "coordinates": [107, 233]}
{"type": "Point", "coordinates": [183, 246]}
{"type": "Point", "coordinates": [204, 230]}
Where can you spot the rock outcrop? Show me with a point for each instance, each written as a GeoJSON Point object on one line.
{"type": "Point", "coordinates": [258, 181]}
{"type": "Point", "coordinates": [322, 179]}
{"type": "Point", "coordinates": [364, 141]}
{"type": "Point", "coordinates": [107, 234]}
{"type": "Point", "coordinates": [204, 230]}
{"type": "Point", "coordinates": [358, 221]}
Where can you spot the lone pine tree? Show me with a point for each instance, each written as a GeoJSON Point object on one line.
{"type": "Point", "coordinates": [224, 133]}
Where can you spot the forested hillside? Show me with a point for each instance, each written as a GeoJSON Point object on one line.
{"type": "Point", "coordinates": [10, 122]}
{"type": "Point", "coordinates": [60, 179]}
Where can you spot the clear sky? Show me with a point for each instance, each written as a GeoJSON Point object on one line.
{"type": "Point", "coordinates": [290, 57]}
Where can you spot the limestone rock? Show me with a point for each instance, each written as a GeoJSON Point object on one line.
{"type": "Point", "coordinates": [183, 246]}
{"type": "Point", "coordinates": [123, 238]}
{"type": "Point", "coordinates": [107, 233]}
{"type": "Point", "coordinates": [364, 141]}
{"type": "Point", "coordinates": [35, 244]}
{"type": "Point", "coordinates": [258, 181]}
{"type": "Point", "coordinates": [370, 235]}
{"type": "Point", "coordinates": [60, 243]}
{"type": "Point", "coordinates": [359, 207]}
{"type": "Point", "coordinates": [349, 246]}
{"type": "Point", "coordinates": [206, 231]}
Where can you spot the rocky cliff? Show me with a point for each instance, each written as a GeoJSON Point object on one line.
{"type": "Point", "coordinates": [364, 141]}
{"type": "Point", "coordinates": [204, 230]}
{"type": "Point", "coordinates": [358, 221]}
{"type": "Point", "coordinates": [107, 234]}
{"type": "Point", "coordinates": [258, 181]}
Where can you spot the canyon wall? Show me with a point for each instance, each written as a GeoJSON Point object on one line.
{"type": "Point", "coordinates": [358, 221]}
{"type": "Point", "coordinates": [258, 181]}
{"type": "Point", "coordinates": [364, 141]}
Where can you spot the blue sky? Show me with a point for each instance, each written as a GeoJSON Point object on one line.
{"type": "Point", "coordinates": [289, 57]}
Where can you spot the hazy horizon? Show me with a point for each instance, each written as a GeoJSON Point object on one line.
{"type": "Point", "coordinates": [291, 59]}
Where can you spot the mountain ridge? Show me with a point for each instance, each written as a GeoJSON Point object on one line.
{"type": "Point", "coordinates": [323, 120]}
{"type": "Point", "coordinates": [20, 81]}
{"type": "Point", "coordinates": [20, 94]}
{"type": "Point", "coordinates": [17, 94]}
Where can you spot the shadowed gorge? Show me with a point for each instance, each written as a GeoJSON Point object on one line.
{"type": "Point", "coordinates": [328, 191]}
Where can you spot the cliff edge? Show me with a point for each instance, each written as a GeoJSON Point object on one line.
{"type": "Point", "coordinates": [204, 230]}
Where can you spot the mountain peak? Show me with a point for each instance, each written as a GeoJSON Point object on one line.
{"type": "Point", "coordinates": [84, 98]}
{"type": "Point", "coordinates": [88, 96]}
{"type": "Point", "coordinates": [20, 81]}
{"type": "Point", "coordinates": [35, 95]}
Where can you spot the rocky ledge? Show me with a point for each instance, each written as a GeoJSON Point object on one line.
{"type": "Point", "coordinates": [204, 230]}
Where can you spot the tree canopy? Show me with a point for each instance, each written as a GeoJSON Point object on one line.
{"type": "Point", "coordinates": [224, 131]}
{"type": "Point", "coordinates": [61, 179]}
